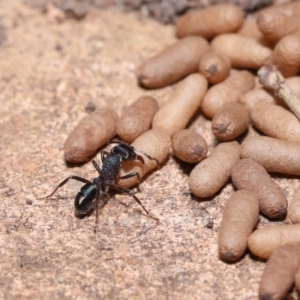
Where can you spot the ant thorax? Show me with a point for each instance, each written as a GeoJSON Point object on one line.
{"type": "Point", "coordinates": [111, 167]}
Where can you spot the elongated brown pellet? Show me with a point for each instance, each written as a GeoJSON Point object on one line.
{"type": "Point", "coordinates": [183, 103]}
{"type": "Point", "coordinates": [92, 132]}
{"type": "Point", "coordinates": [243, 52]}
{"type": "Point", "coordinates": [229, 90]}
{"type": "Point", "coordinates": [273, 154]}
{"type": "Point", "coordinates": [247, 174]}
{"type": "Point", "coordinates": [279, 273]}
{"type": "Point", "coordinates": [189, 146]}
{"type": "Point", "coordinates": [286, 55]}
{"type": "Point", "coordinates": [297, 280]}
{"type": "Point", "coordinates": [137, 118]}
{"type": "Point", "coordinates": [155, 143]}
{"type": "Point", "coordinates": [293, 215]}
{"type": "Point", "coordinates": [275, 121]}
{"type": "Point", "coordinates": [214, 66]}
{"type": "Point", "coordinates": [230, 120]}
{"type": "Point", "coordinates": [263, 242]}
{"type": "Point", "coordinates": [173, 63]}
{"type": "Point", "coordinates": [239, 218]}
{"type": "Point", "coordinates": [274, 24]}
{"type": "Point", "coordinates": [211, 21]}
{"type": "Point", "coordinates": [250, 98]}
{"type": "Point", "coordinates": [210, 175]}
{"type": "Point", "coordinates": [250, 29]}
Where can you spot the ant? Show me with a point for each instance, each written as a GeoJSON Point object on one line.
{"type": "Point", "coordinates": [111, 164]}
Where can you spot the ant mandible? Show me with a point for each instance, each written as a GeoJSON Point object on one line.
{"type": "Point", "coordinates": [111, 164]}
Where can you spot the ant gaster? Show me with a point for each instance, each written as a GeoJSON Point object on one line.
{"type": "Point", "coordinates": [111, 164]}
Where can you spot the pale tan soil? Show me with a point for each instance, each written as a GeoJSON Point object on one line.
{"type": "Point", "coordinates": [50, 74]}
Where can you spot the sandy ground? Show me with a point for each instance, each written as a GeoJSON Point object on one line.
{"type": "Point", "coordinates": [51, 74]}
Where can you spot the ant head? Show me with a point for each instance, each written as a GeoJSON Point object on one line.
{"type": "Point", "coordinates": [127, 152]}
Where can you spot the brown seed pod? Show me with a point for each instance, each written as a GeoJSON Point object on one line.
{"type": "Point", "coordinates": [294, 84]}
{"type": "Point", "coordinates": [229, 90]}
{"type": "Point", "coordinates": [293, 215]}
{"type": "Point", "coordinates": [290, 9]}
{"type": "Point", "coordinates": [230, 120]}
{"type": "Point", "coordinates": [274, 24]}
{"type": "Point", "coordinates": [183, 103]}
{"type": "Point", "coordinates": [250, 98]}
{"type": "Point", "coordinates": [239, 218]}
{"type": "Point", "coordinates": [155, 143]}
{"type": "Point", "coordinates": [92, 132]}
{"type": "Point", "coordinates": [242, 51]}
{"type": "Point", "coordinates": [275, 121]}
{"type": "Point", "coordinates": [214, 66]}
{"type": "Point", "coordinates": [211, 21]}
{"type": "Point", "coordinates": [286, 55]}
{"type": "Point", "coordinates": [173, 63]}
{"type": "Point", "coordinates": [249, 175]}
{"type": "Point", "coordinates": [263, 242]}
{"type": "Point", "coordinates": [210, 175]}
{"type": "Point", "coordinates": [189, 146]}
{"type": "Point", "coordinates": [250, 29]}
{"type": "Point", "coordinates": [137, 118]}
{"type": "Point", "coordinates": [273, 154]}
{"type": "Point", "coordinates": [279, 273]}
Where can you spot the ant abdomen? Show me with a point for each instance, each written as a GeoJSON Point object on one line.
{"type": "Point", "coordinates": [85, 198]}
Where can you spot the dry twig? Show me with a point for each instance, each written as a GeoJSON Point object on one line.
{"type": "Point", "coordinates": [272, 79]}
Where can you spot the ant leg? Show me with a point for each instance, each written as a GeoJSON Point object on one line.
{"type": "Point", "coordinates": [102, 155]}
{"type": "Point", "coordinates": [131, 175]}
{"type": "Point", "coordinates": [97, 208]}
{"type": "Point", "coordinates": [129, 192]}
{"type": "Point", "coordinates": [149, 157]}
{"type": "Point", "coordinates": [96, 166]}
{"type": "Point", "coordinates": [140, 158]}
{"type": "Point", "coordinates": [66, 180]}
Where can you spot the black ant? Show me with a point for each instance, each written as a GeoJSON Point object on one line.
{"type": "Point", "coordinates": [111, 164]}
